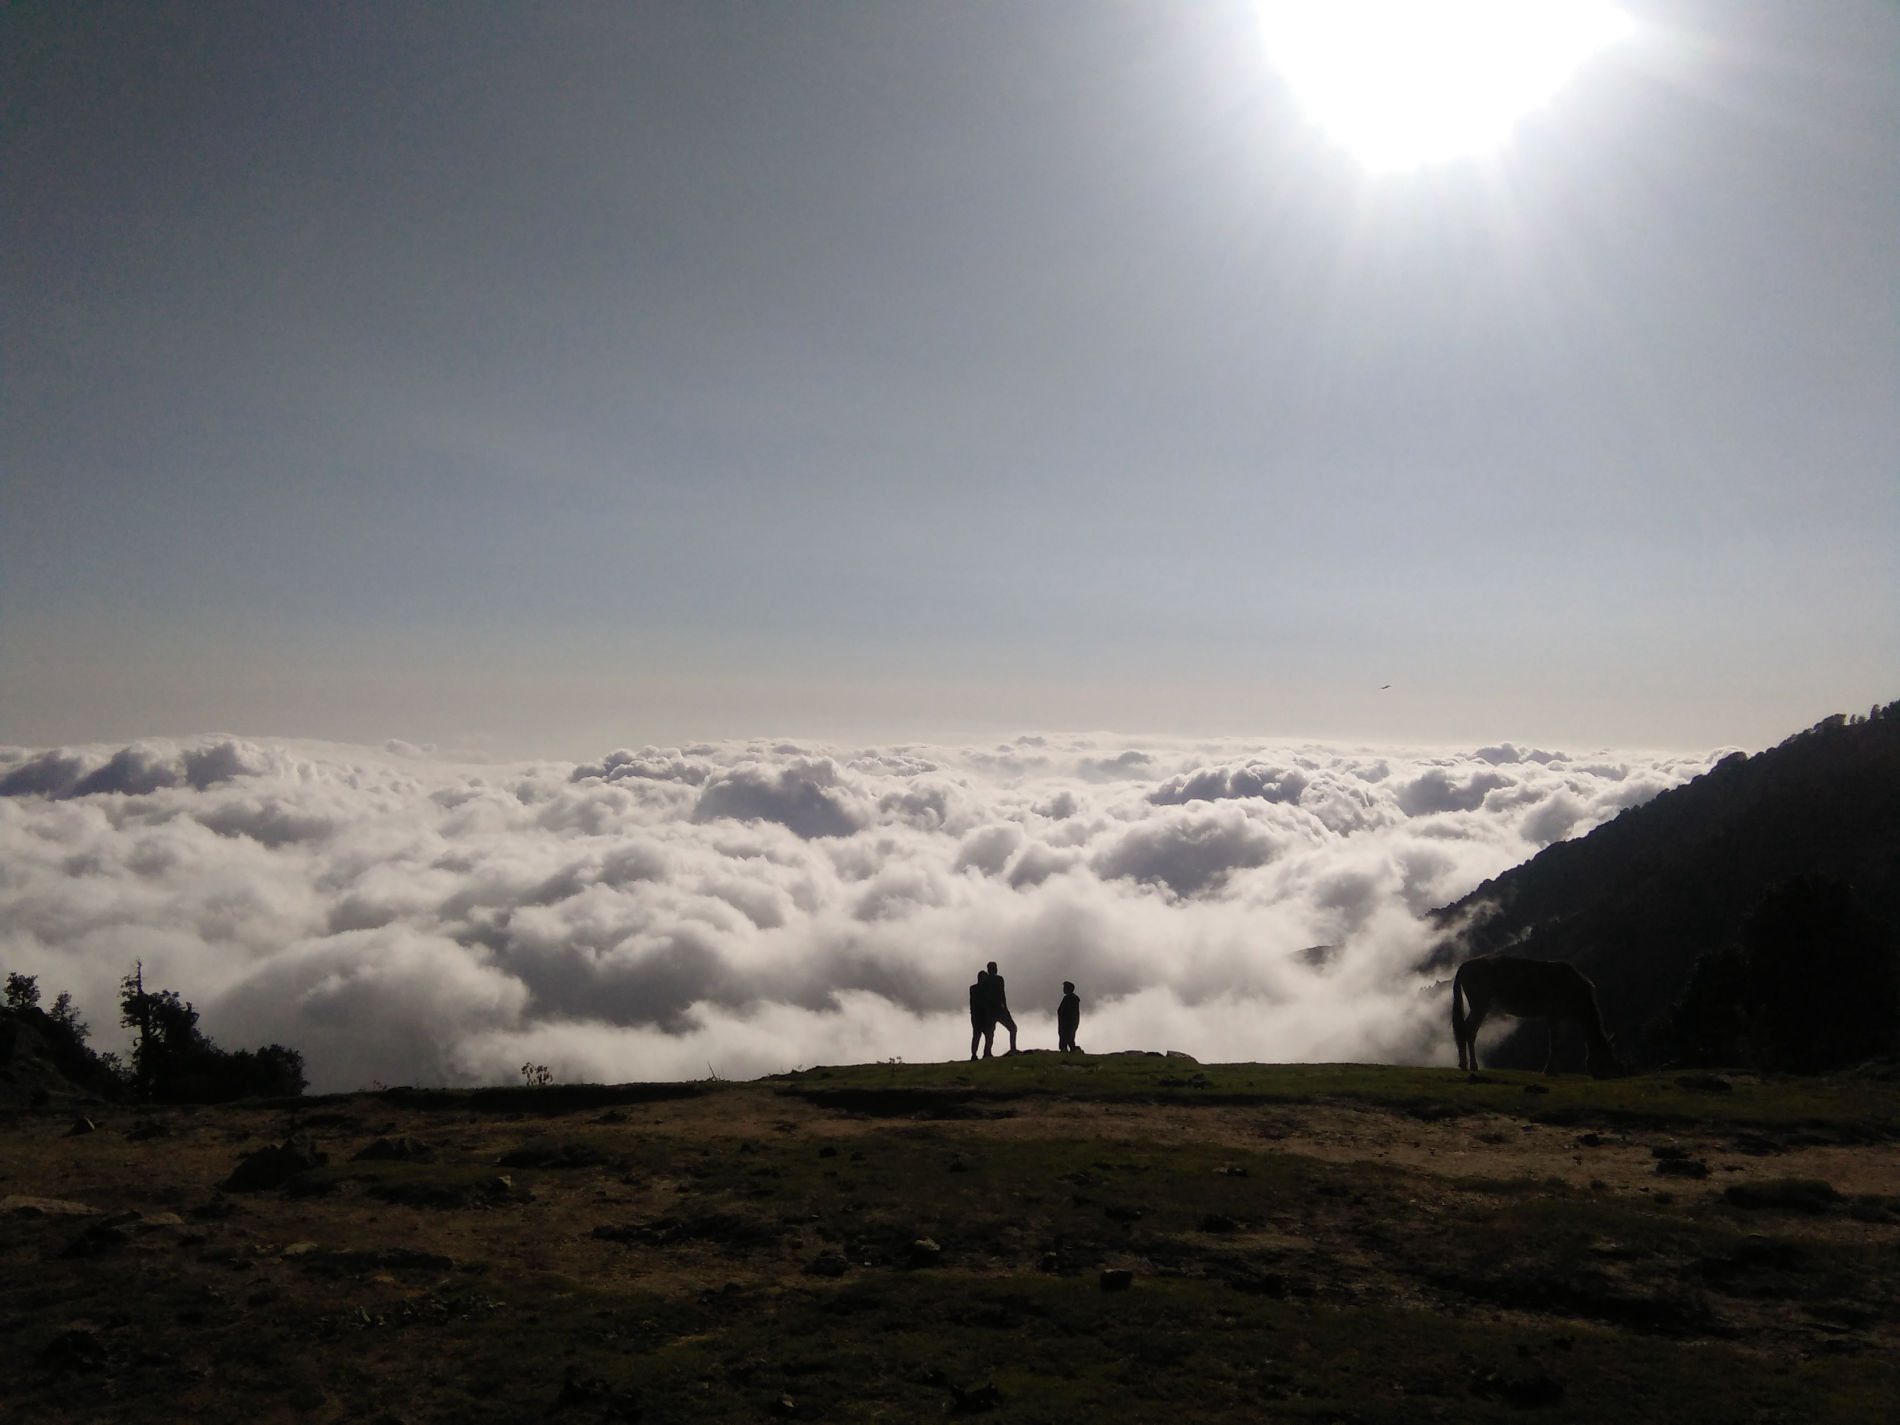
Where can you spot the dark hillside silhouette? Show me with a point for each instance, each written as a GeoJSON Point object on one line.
{"type": "Point", "coordinates": [44, 1055]}
{"type": "Point", "coordinates": [1638, 902]}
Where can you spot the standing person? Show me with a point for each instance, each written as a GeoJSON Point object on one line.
{"type": "Point", "coordinates": [1068, 1019]}
{"type": "Point", "coordinates": [999, 1009]}
{"type": "Point", "coordinates": [982, 1022]}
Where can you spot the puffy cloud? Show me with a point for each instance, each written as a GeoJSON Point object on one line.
{"type": "Point", "coordinates": [1441, 789]}
{"type": "Point", "coordinates": [807, 798]}
{"type": "Point", "coordinates": [129, 771]}
{"type": "Point", "coordinates": [756, 906]}
{"type": "Point", "coordinates": [1187, 854]}
{"type": "Point", "coordinates": [1273, 784]}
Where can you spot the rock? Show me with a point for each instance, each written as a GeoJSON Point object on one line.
{"type": "Point", "coordinates": [561, 1155]}
{"type": "Point", "coordinates": [1051, 1262]}
{"type": "Point", "coordinates": [827, 1264]}
{"type": "Point", "coordinates": [1178, 1054]}
{"type": "Point", "coordinates": [925, 1253]}
{"type": "Point", "coordinates": [1526, 1392]}
{"type": "Point", "coordinates": [298, 1249]}
{"type": "Point", "coordinates": [1117, 1279]}
{"type": "Point", "coordinates": [1810, 1195]}
{"type": "Point", "coordinates": [273, 1167]}
{"type": "Point", "coordinates": [596, 1397]}
{"type": "Point", "coordinates": [45, 1207]}
{"type": "Point", "coordinates": [82, 1126]}
{"type": "Point", "coordinates": [785, 1407]}
{"type": "Point", "coordinates": [396, 1150]}
{"type": "Point", "coordinates": [78, 1351]}
{"type": "Point", "coordinates": [1705, 1083]}
{"type": "Point", "coordinates": [1682, 1168]}
{"type": "Point", "coordinates": [976, 1399]}
{"type": "Point", "coordinates": [97, 1239]}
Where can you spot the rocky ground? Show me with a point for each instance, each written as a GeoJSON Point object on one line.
{"type": "Point", "coordinates": [1037, 1238]}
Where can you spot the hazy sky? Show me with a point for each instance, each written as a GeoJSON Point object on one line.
{"type": "Point", "coordinates": [560, 377]}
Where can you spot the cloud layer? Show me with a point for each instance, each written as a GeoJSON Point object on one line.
{"type": "Point", "coordinates": [743, 908]}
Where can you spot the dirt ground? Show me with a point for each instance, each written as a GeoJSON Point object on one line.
{"type": "Point", "coordinates": [881, 1243]}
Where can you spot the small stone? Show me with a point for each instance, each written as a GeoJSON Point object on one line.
{"type": "Point", "coordinates": [273, 1167]}
{"type": "Point", "coordinates": [1117, 1279]}
{"type": "Point", "coordinates": [82, 1126]}
{"type": "Point", "coordinates": [45, 1207]}
{"type": "Point", "coordinates": [300, 1249]}
{"type": "Point", "coordinates": [977, 1398]}
{"type": "Point", "coordinates": [1682, 1168]}
{"type": "Point", "coordinates": [77, 1350]}
{"type": "Point", "coordinates": [100, 1237]}
{"type": "Point", "coordinates": [925, 1253]}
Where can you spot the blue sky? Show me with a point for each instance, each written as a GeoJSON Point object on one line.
{"type": "Point", "coordinates": [554, 378]}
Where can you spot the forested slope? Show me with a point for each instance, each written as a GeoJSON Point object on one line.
{"type": "Point", "coordinates": [1637, 901]}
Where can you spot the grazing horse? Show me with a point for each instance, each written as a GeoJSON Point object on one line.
{"type": "Point", "coordinates": [1543, 989]}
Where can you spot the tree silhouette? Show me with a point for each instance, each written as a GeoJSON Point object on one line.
{"type": "Point", "coordinates": [173, 1061]}
{"type": "Point", "coordinates": [1813, 983]}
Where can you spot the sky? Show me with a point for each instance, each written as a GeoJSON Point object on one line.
{"type": "Point", "coordinates": [529, 381]}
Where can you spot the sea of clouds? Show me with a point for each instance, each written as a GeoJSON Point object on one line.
{"type": "Point", "coordinates": [745, 908]}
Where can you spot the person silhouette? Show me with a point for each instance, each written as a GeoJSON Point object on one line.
{"type": "Point", "coordinates": [1068, 1019]}
{"type": "Point", "coordinates": [982, 1022]}
{"type": "Point", "coordinates": [999, 1009]}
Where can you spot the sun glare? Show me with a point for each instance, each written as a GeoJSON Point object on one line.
{"type": "Point", "coordinates": [1408, 82]}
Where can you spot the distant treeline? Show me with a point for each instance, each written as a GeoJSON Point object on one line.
{"type": "Point", "coordinates": [172, 1061]}
{"type": "Point", "coordinates": [1746, 918]}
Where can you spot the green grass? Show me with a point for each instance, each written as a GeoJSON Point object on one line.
{"type": "Point", "coordinates": [1855, 1106]}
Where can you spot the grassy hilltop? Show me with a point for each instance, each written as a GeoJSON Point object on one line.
{"type": "Point", "coordinates": [1037, 1238]}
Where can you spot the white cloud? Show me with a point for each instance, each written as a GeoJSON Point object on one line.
{"type": "Point", "coordinates": [758, 906]}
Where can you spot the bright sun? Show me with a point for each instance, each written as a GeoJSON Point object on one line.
{"type": "Point", "coordinates": [1407, 82]}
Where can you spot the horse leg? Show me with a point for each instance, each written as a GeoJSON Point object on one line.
{"type": "Point", "coordinates": [1474, 1020]}
{"type": "Point", "coordinates": [1550, 1059]}
{"type": "Point", "coordinates": [1458, 1021]}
